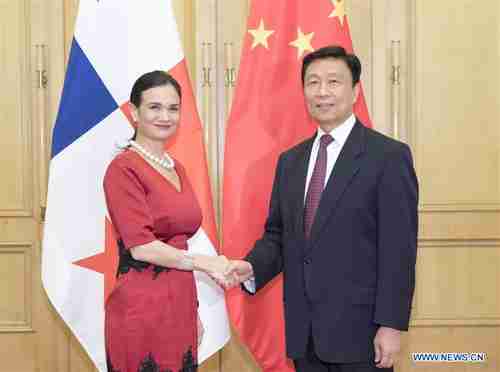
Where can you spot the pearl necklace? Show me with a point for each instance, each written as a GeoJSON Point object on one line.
{"type": "Point", "coordinates": [166, 161]}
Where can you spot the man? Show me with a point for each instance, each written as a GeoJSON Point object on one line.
{"type": "Point", "coordinates": [342, 227]}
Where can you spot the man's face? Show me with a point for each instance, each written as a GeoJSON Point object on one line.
{"type": "Point", "coordinates": [329, 93]}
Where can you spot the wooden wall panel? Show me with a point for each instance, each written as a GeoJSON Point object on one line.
{"type": "Point", "coordinates": [15, 135]}
{"type": "Point", "coordinates": [360, 14]}
{"type": "Point", "coordinates": [26, 326]}
{"type": "Point", "coordinates": [184, 11]}
{"type": "Point", "coordinates": [455, 122]}
{"type": "Point", "coordinates": [70, 12]}
{"type": "Point", "coordinates": [16, 298]}
{"type": "Point", "coordinates": [456, 283]}
{"type": "Point", "coordinates": [458, 112]}
{"type": "Point", "coordinates": [236, 357]}
{"type": "Point", "coordinates": [445, 222]}
{"type": "Point", "coordinates": [19, 355]}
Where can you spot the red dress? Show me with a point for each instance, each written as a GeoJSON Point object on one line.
{"type": "Point", "coordinates": [151, 315]}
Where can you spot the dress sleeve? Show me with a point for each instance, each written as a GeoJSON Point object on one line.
{"type": "Point", "coordinates": [126, 201]}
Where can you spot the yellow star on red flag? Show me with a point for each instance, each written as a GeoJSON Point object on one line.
{"type": "Point", "coordinates": [303, 42]}
{"type": "Point", "coordinates": [260, 35]}
{"type": "Point", "coordinates": [339, 10]}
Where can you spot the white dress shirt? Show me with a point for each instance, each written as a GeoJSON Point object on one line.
{"type": "Point", "coordinates": [339, 135]}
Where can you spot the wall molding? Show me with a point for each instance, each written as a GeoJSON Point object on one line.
{"type": "Point", "coordinates": [455, 322]}
{"type": "Point", "coordinates": [25, 249]}
{"type": "Point", "coordinates": [453, 243]}
{"type": "Point", "coordinates": [460, 206]}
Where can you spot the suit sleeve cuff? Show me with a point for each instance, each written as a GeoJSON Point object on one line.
{"type": "Point", "coordinates": [249, 285]}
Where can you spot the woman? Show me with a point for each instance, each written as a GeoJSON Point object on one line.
{"type": "Point", "coordinates": [151, 316]}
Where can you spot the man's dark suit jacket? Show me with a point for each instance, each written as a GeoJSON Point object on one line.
{"type": "Point", "coordinates": [357, 270]}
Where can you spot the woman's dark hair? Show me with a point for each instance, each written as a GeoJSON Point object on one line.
{"type": "Point", "coordinates": [150, 80]}
{"type": "Point", "coordinates": [337, 52]}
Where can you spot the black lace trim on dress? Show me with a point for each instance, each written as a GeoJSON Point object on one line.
{"type": "Point", "coordinates": [127, 262]}
{"type": "Point", "coordinates": [149, 365]}
{"type": "Point", "coordinates": [188, 362]}
{"type": "Point", "coordinates": [110, 366]}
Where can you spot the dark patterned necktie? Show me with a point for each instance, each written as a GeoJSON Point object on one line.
{"type": "Point", "coordinates": [316, 184]}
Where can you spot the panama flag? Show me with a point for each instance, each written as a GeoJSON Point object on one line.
{"type": "Point", "coordinates": [115, 42]}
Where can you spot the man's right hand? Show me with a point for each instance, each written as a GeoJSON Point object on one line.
{"type": "Point", "coordinates": [237, 272]}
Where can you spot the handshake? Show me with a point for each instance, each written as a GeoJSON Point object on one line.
{"type": "Point", "coordinates": [226, 273]}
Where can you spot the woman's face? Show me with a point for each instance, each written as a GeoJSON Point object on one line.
{"type": "Point", "coordinates": [158, 115]}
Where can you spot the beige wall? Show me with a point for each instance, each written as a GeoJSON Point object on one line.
{"type": "Point", "coordinates": [449, 113]}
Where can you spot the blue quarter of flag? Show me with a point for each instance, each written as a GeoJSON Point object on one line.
{"type": "Point", "coordinates": [85, 101]}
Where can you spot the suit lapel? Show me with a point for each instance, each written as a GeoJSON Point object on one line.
{"type": "Point", "coordinates": [346, 167]}
{"type": "Point", "coordinates": [298, 183]}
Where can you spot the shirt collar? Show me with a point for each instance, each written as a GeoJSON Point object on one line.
{"type": "Point", "coordinates": [339, 133]}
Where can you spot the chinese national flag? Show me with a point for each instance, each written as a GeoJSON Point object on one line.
{"type": "Point", "coordinates": [269, 116]}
